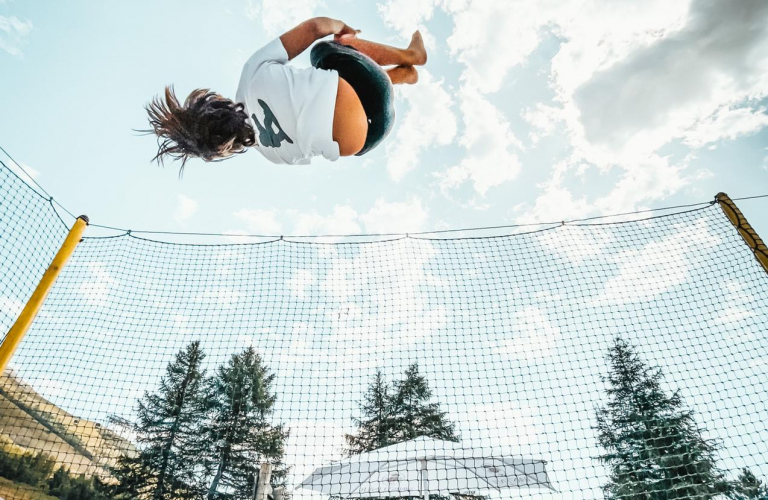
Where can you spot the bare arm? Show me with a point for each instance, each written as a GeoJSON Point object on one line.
{"type": "Point", "coordinates": [305, 34]}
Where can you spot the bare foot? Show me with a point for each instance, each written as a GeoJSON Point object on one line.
{"type": "Point", "coordinates": [403, 74]}
{"type": "Point", "coordinates": [417, 50]}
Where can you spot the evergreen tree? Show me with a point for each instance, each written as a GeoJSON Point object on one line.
{"type": "Point", "coordinates": [239, 435]}
{"type": "Point", "coordinates": [64, 486]}
{"type": "Point", "coordinates": [59, 481]}
{"type": "Point", "coordinates": [391, 415]}
{"type": "Point", "coordinates": [652, 446]}
{"type": "Point", "coordinates": [28, 467]}
{"type": "Point", "coordinates": [413, 415]}
{"type": "Point", "coordinates": [398, 413]}
{"type": "Point", "coordinates": [132, 479]}
{"type": "Point", "coordinates": [749, 487]}
{"type": "Point", "coordinates": [373, 430]}
{"type": "Point", "coordinates": [168, 423]}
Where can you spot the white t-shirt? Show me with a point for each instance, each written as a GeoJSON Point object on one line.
{"type": "Point", "coordinates": [291, 109]}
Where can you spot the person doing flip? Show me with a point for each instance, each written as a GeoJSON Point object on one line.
{"type": "Point", "coordinates": [341, 106]}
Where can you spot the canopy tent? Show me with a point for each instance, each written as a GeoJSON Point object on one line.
{"type": "Point", "coordinates": [422, 467]}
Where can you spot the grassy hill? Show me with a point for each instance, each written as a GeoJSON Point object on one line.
{"type": "Point", "coordinates": [33, 423]}
{"type": "Point", "coordinates": [18, 491]}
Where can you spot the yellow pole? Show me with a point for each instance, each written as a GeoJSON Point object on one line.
{"type": "Point", "coordinates": [738, 220]}
{"type": "Point", "coordinates": [27, 316]}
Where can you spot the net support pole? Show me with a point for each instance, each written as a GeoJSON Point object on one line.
{"type": "Point", "coordinates": [35, 302]}
{"type": "Point", "coordinates": [738, 220]}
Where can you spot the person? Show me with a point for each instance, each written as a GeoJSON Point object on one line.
{"type": "Point", "coordinates": [341, 106]}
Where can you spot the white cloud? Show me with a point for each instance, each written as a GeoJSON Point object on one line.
{"type": "Point", "coordinates": [490, 38]}
{"type": "Point", "coordinates": [260, 221]}
{"type": "Point", "coordinates": [534, 336]}
{"type": "Point", "coordinates": [555, 201]}
{"type": "Point", "coordinates": [659, 92]}
{"type": "Point", "coordinates": [218, 297]}
{"type": "Point", "coordinates": [652, 178]}
{"type": "Point", "coordinates": [299, 282]}
{"type": "Point", "coordinates": [238, 236]}
{"type": "Point", "coordinates": [428, 122]}
{"type": "Point", "coordinates": [186, 207]}
{"type": "Point", "coordinates": [406, 16]}
{"type": "Point", "coordinates": [97, 290]}
{"type": "Point", "coordinates": [500, 428]}
{"type": "Point", "coordinates": [489, 142]}
{"type": "Point", "coordinates": [398, 217]}
{"type": "Point", "coordinates": [181, 324]}
{"type": "Point", "coordinates": [24, 171]}
{"type": "Point", "coordinates": [387, 310]}
{"type": "Point", "coordinates": [230, 260]}
{"type": "Point", "coordinates": [737, 304]}
{"type": "Point", "coordinates": [543, 119]}
{"type": "Point", "coordinates": [343, 220]}
{"type": "Point", "coordinates": [618, 105]}
{"type": "Point", "coordinates": [629, 78]}
{"type": "Point", "coordinates": [384, 216]}
{"type": "Point", "coordinates": [632, 80]}
{"type": "Point", "coordinates": [726, 123]}
{"type": "Point", "coordinates": [576, 244]}
{"type": "Point", "coordinates": [597, 36]}
{"type": "Point", "coordinates": [658, 266]}
{"type": "Point", "coordinates": [348, 350]}
{"type": "Point", "coordinates": [13, 32]}
{"type": "Point", "coordinates": [278, 16]}
{"type": "Point", "coordinates": [11, 307]}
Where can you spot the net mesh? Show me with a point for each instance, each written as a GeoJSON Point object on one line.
{"type": "Point", "coordinates": [622, 360]}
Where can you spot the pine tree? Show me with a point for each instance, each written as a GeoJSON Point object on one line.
{"type": "Point", "coordinates": [59, 481]}
{"type": "Point", "coordinates": [373, 430]}
{"type": "Point", "coordinates": [398, 413]}
{"type": "Point", "coordinates": [653, 448]}
{"type": "Point", "coordinates": [411, 413]}
{"type": "Point", "coordinates": [749, 487]}
{"type": "Point", "coordinates": [132, 479]}
{"type": "Point", "coordinates": [64, 486]}
{"type": "Point", "coordinates": [391, 415]}
{"type": "Point", "coordinates": [168, 423]}
{"type": "Point", "coordinates": [239, 435]}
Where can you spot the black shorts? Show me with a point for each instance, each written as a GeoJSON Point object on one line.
{"type": "Point", "coordinates": [368, 79]}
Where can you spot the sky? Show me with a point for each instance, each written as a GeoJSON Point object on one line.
{"type": "Point", "coordinates": [510, 332]}
{"type": "Point", "coordinates": [526, 111]}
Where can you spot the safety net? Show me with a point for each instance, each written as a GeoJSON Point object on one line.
{"type": "Point", "coordinates": [597, 359]}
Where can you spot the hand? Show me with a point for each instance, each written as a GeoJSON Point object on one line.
{"type": "Point", "coordinates": [344, 32]}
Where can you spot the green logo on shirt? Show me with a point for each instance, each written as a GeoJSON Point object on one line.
{"type": "Point", "coordinates": [267, 136]}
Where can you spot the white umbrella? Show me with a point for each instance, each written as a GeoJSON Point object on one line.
{"type": "Point", "coordinates": [424, 466]}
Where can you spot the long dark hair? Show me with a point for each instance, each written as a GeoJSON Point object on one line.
{"type": "Point", "coordinates": [207, 126]}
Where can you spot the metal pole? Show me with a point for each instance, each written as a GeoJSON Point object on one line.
{"type": "Point", "coordinates": [738, 220]}
{"type": "Point", "coordinates": [35, 302]}
{"type": "Point", "coordinates": [424, 479]}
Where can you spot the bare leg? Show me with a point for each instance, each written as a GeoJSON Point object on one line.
{"type": "Point", "coordinates": [403, 74]}
{"type": "Point", "coordinates": [385, 55]}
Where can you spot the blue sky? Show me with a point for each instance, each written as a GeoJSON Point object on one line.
{"type": "Point", "coordinates": [545, 111]}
